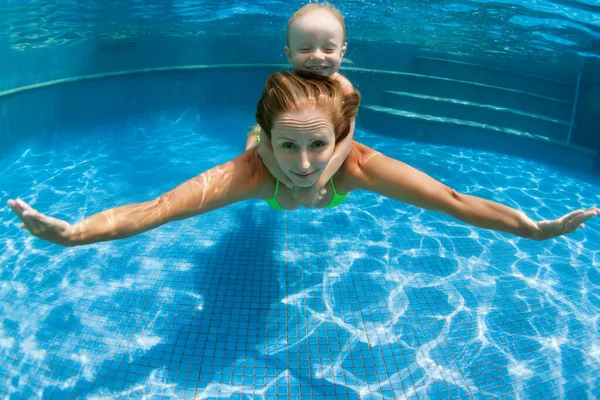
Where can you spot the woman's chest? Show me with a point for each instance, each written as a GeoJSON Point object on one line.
{"type": "Point", "coordinates": [286, 199]}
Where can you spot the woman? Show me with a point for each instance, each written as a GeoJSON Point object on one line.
{"type": "Point", "coordinates": [303, 117]}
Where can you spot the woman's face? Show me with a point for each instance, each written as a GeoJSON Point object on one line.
{"type": "Point", "coordinates": [303, 143]}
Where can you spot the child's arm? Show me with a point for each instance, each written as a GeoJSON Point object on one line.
{"type": "Point", "coordinates": [265, 152]}
{"type": "Point", "coordinates": [251, 142]}
{"type": "Point", "coordinates": [341, 152]}
{"type": "Point", "coordinates": [253, 137]}
{"type": "Point", "coordinates": [309, 196]}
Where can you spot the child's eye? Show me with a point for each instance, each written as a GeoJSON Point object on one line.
{"type": "Point", "coordinates": [304, 50]}
{"type": "Point", "coordinates": [329, 51]}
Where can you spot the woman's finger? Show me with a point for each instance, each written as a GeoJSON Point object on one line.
{"type": "Point", "coordinates": [26, 207]}
{"type": "Point", "coordinates": [569, 217]}
{"type": "Point", "coordinates": [31, 218]}
{"type": "Point", "coordinates": [590, 212]}
{"type": "Point", "coordinates": [16, 207]}
{"type": "Point", "coordinates": [37, 222]}
{"type": "Point", "coordinates": [28, 222]}
{"type": "Point", "coordinates": [587, 215]}
{"type": "Point", "coordinates": [579, 220]}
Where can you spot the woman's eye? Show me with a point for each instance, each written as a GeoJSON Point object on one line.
{"type": "Point", "coordinates": [287, 146]}
{"type": "Point", "coordinates": [319, 144]}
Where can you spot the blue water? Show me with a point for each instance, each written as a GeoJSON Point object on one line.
{"type": "Point", "coordinates": [375, 299]}
{"type": "Point", "coordinates": [561, 33]}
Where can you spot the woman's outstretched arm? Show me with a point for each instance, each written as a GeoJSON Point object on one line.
{"type": "Point", "coordinates": [375, 172]}
{"type": "Point", "coordinates": [239, 179]}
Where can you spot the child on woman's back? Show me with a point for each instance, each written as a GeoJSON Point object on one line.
{"type": "Point", "coordinates": [316, 43]}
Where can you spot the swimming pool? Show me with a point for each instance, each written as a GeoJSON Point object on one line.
{"type": "Point", "coordinates": [374, 299]}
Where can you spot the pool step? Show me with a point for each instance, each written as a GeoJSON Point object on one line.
{"type": "Point", "coordinates": [493, 75]}
{"type": "Point", "coordinates": [476, 112]}
{"type": "Point", "coordinates": [373, 83]}
{"type": "Point", "coordinates": [459, 132]}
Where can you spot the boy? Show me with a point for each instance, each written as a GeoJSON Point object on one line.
{"type": "Point", "coordinates": [316, 43]}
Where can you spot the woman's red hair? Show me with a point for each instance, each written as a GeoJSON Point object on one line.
{"type": "Point", "coordinates": [289, 91]}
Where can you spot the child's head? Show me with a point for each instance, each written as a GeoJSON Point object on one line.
{"type": "Point", "coordinates": [316, 39]}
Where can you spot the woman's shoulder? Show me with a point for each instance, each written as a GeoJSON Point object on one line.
{"type": "Point", "coordinates": [353, 169]}
{"type": "Point", "coordinates": [360, 155]}
{"type": "Point", "coordinates": [253, 171]}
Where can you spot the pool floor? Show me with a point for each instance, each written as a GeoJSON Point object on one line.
{"type": "Point", "coordinates": [374, 299]}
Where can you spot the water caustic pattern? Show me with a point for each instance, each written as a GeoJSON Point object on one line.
{"type": "Point", "coordinates": [374, 299]}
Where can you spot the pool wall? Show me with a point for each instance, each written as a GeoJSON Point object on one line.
{"type": "Point", "coordinates": [407, 91]}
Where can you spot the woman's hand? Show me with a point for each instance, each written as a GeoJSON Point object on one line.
{"type": "Point", "coordinates": [310, 195]}
{"type": "Point", "coordinates": [40, 225]}
{"type": "Point", "coordinates": [564, 225]}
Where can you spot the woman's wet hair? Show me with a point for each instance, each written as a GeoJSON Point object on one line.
{"type": "Point", "coordinates": [289, 91]}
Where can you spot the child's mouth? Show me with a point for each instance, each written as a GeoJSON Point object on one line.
{"type": "Point", "coordinates": [316, 68]}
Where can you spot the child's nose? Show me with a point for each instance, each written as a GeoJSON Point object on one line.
{"type": "Point", "coordinates": [318, 54]}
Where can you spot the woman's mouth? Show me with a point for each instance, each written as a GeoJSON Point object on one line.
{"type": "Point", "coordinates": [304, 176]}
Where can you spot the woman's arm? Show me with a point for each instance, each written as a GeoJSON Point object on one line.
{"type": "Point", "coordinates": [239, 179]}
{"type": "Point", "coordinates": [373, 171]}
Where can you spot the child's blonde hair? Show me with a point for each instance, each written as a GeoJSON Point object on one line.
{"type": "Point", "coordinates": [312, 7]}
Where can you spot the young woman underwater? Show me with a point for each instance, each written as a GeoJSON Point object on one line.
{"type": "Point", "coordinates": [304, 116]}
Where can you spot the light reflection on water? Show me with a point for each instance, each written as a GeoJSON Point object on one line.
{"type": "Point", "coordinates": [544, 32]}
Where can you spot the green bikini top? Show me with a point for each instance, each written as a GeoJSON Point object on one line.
{"type": "Point", "coordinates": [336, 199]}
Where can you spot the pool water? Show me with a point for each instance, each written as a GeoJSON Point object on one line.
{"type": "Point", "coordinates": [374, 299]}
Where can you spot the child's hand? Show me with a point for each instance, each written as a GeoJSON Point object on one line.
{"type": "Point", "coordinates": [309, 196]}
{"type": "Point", "coordinates": [266, 155]}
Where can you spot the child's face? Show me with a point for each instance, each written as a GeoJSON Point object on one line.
{"type": "Point", "coordinates": [316, 43]}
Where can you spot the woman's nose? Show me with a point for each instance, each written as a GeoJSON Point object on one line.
{"type": "Point", "coordinates": [304, 162]}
